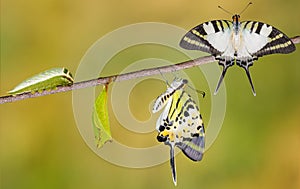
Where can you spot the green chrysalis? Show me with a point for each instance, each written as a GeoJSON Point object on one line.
{"type": "Point", "coordinates": [47, 80]}
{"type": "Point", "coordinates": [101, 119]}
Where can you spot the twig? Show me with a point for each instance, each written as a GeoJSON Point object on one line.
{"type": "Point", "coordinates": [121, 77]}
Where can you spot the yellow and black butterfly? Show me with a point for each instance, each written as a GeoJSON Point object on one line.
{"type": "Point", "coordinates": [180, 123]}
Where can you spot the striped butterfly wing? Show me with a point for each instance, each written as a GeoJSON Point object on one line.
{"type": "Point", "coordinates": [191, 129]}
{"type": "Point", "coordinates": [243, 42]}
{"type": "Point", "coordinates": [180, 124]}
{"type": "Point", "coordinates": [263, 39]}
{"type": "Point", "coordinates": [260, 39]}
{"type": "Point", "coordinates": [167, 137]}
{"type": "Point", "coordinates": [211, 37]}
{"type": "Point", "coordinates": [162, 100]}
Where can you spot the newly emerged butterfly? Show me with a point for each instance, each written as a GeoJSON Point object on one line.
{"type": "Point", "coordinates": [235, 41]}
{"type": "Point", "coordinates": [47, 80]}
{"type": "Point", "coordinates": [180, 123]}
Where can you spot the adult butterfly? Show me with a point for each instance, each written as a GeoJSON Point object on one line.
{"type": "Point", "coordinates": [180, 123]}
{"type": "Point", "coordinates": [235, 41]}
{"type": "Point", "coordinates": [47, 80]}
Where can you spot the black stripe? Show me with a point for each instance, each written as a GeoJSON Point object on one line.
{"type": "Point", "coordinates": [258, 29]}
{"type": "Point", "coordinates": [216, 28]}
{"type": "Point", "coordinates": [200, 29]}
{"type": "Point", "coordinates": [177, 104]}
{"type": "Point", "coordinates": [246, 24]}
{"type": "Point", "coordinates": [227, 23]}
{"type": "Point", "coordinates": [186, 104]}
{"type": "Point", "coordinates": [190, 100]}
{"type": "Point", "coordinates": [273, 33]}
{"type": "Point", "coordinates": [206, 47]}
{"type": "Point", "coordinates": [252, 26]}
{"type": "Point", "coordinates": [69, 79]}
{"type": "Point", "coordinates": [285, 50]}
{"type": "Point", "coordinates": [221, 24]}
{"type": "Point", "coordinates": [171, 109]}
{"type": "Point", "coordinates": [172, 162]}
{"type": "Point", "coordinates": [179, 99]}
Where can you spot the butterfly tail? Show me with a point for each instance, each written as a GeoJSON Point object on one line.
{"type": "Point", "coordinates": [173, 166]}
{"type": "Point", "coordinates": [246, 65]}
{"type": "Point", "coordinates": [250, 80]}
{"type": "Point", "coordinates": [220, 80]}
{"type": "Point", "coordinates": [194, 148]}
{"type": "Point", "coordinates": [226, 64]}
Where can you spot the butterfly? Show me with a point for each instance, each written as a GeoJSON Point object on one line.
{"type": "Point", "coordinates": [47, 80]}
{"type": "Point", "coordinates": [180, 124]}
{"type": "Point", "coordinates": [237, 42]}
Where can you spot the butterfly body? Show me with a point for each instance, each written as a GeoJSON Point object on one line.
{"type": "Point", "coordinates": [237, 42]}
{"type": "Point", "coordinates": [180, 124]}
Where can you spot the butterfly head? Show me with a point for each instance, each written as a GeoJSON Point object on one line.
{"type": "Point", "coordinates": [236, 18]}
{"type": "Point", "coordinates": [236, 23]}
{"type": "Point", "coordinates": [179, 83]}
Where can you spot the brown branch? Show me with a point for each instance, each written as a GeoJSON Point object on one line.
{"type": "Point", "coordinates": [121, 77]}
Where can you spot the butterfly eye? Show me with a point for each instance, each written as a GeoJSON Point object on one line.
{"type": "Point", "coordinates": [235, 17]}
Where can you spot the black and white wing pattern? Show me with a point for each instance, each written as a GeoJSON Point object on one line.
{"type": "Point", "coordinates": [180, 123]}
{"type": "Point", "coordinates": [161, 101]}
{"type": "Point", "coordinates": [240, 42]}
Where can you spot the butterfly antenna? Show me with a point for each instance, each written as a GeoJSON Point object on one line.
{"type": "Point", "coordinates": [175, 72]}
{"type": "Point", "coordinates": [250, 80]}
{"type": "Point", "coordinates": [250, 3]}
{"type": "Point", "coordinates": [173, 166]}
{"type": "Point", "coordinates": [225, 10]}
{"type": "Point", "coordinates": [164, 77]}
{"type": "Point", "coordinates": [198, 91]}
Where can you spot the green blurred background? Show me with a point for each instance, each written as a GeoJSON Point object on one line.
{"type": "Point", "coordinates": [258, 146]}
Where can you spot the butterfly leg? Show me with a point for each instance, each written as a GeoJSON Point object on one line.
{"type": "Point", "coordinates": [246, 65]}
{"type": "Point", "coordinates": [172, 162]}
{"type": "Point", "coordinates": [226, 64]}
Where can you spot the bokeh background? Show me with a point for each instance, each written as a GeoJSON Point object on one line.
{"type": "Point", "coordinates": [40, 146]}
